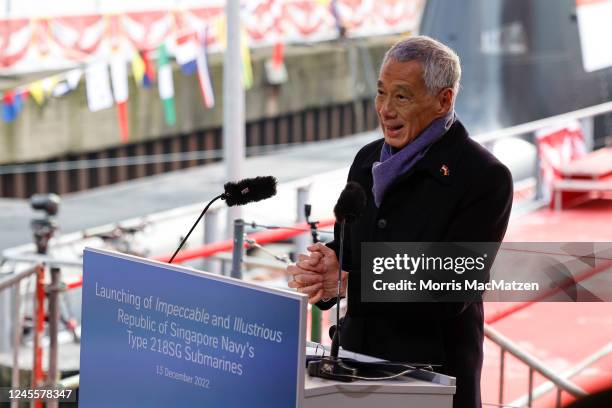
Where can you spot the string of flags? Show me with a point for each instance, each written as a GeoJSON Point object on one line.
{"type": "Point", "coordinates": [97, 37]}
{"type": "Point", "coordinates": [107, 81]}
{"type": "Point", "coordinates": [60, 39]}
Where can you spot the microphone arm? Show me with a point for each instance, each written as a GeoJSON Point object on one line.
{"type": "Point", "coordinates": [336, 340]}
{"type": "Point", "coordinates": [332, 367]}
{"type": "Point", "coordinates": [194, 225]}
{"type": "Point", "coordinates": [350, 204]}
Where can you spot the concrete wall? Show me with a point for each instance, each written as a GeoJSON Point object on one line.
{"type": "Point", "coordinates": [319, 75]}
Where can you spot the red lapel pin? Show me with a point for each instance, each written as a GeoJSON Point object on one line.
{"type": "Point", "coordinates": [444, 170]}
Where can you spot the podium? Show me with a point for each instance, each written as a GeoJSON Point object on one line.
{"type": "Point", "coordinates": [420, 389]}
{"type": "Point", "coordinates": [160, 335]}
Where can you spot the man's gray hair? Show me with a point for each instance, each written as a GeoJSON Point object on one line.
{"type": "Point", "coordinates": [441, 65]}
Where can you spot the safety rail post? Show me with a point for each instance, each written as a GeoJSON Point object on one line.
{"type": "Point", "coordinates": [211, 234]}
{"type": "Point", "coordinates": [587, 125]}
{"type": "Point", "coordinates": [545, 387]}
{"type": "Point", "coordinates": [39, 325]}
{"type": "Point", "coordinates": [539, 187]}
{"type": "Point", "coordinates": [558, 403]}
{"type": "Point", "coordinates": [14, 281]}
{"type": "Point", "coordinates": [502, 363]}
{"type": "Point", "coordinates": [532, 362]}
{"type": "Point", "coordinates": [15, 380]}
{"type": "Point", "coordinates": [54, 316]}
{"type": "Point", "coordinates": [530, 390]}
{"type": "Point", "coordinates": [301, 243]}
{"type": "Point", "coordinates": [303, 197]}
{"type": "Point", "coordinates": [238, 249]}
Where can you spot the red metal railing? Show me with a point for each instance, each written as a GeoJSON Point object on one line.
{"type": "Point", "coordinates": [38, 375]}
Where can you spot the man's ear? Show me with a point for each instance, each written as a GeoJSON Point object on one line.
{"type": "Point", "coordinates": [445, 100]}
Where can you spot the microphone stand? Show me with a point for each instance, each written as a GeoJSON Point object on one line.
{"type": "Point", "coordinates": [222, 196]}
{"type": "Point", "coordinates": [332, 367]}
{"type": "Point", "coordinates": [314, 225]}
{"type": "Point", "coordinates": [336, 340]}
{"type": "Point", "coordinates": [315, 312]}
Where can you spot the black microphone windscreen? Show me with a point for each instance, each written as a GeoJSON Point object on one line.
{"type": "Point", "coordinates": [351, 203]}
{"type": "Point", "coordinates": [249, 190]}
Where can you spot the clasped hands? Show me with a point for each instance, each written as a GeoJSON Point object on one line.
{"type": "Point", "coordinates": [316, 274]}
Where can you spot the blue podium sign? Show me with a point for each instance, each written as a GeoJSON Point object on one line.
{"type": "Point", "coordinates": [159, 335]}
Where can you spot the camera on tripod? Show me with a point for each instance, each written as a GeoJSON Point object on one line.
{"type": "Point", "coordinates": [44, 227]}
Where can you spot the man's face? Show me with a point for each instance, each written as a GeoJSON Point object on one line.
{"type": "Point", "coordinates": [404, 105]}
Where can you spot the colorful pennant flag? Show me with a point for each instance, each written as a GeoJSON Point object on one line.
{"type": "Point", "coordinates": [335, 11]}
{"type": "Point", "coordinates": [204, 73]}
{"type": "Point", "coordinates": [43, 89]}
{"type": "Point", "coordinates": [247, 67]}
{"type": "Point", "coordinates": [37, 92]}
{"type": "Point", "coordinates": [186, 53]}
{"type": "Point", "coordinates": [12, 103]}
{"type": "Point", "coordinates": [138, 68]}
{"type": "Point", "coordinates": [143, 69]}
{"type": "Point", "coordinates": [165, 84]}
{"type": "Point", "coordinates": [278, 54]}
{"type": "Point", "coordinates": [67, 84]}
{"type": "Point", "coordinates": [48, 84]}
{"type": "Point", "coordinates": [99, 95]}
{"type": "Point", "coordinates": [148, 78]}
{"type": "Point", "coordinates": [119, 78]}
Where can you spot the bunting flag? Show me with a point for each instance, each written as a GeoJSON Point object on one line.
{"type": "Point", "coordinates": [165, 84]}
{"type": "Point", "coordinates": [12, 103]}
{"type": "Point", "coordinates": [48, 85]}
{"type": "Point", "coordinates": [143, 69]}
{"type": "Point", "coordinates": [41, 90]}
{"type": "Point", "coordinates": [278, 54]}
{"type": "Point", "coordinates": [186, 53]}
{"type": "Point", "coordinates": [337, 18]}
{"type": "Point", "coordinates": [119, 78]}
{"type": "Point", "coordinates": [43, 44]}
{"type": "Point", "coordinates": [138, 68]}
{"type": "Point", "coordinates": [204, 73]}
{"type": "Point", "coordinates": [37, 92]}
{"type": "Point", "coordinates": [276, 72]}
{"type": "Point", "coordinates": [67, 84]}
{"type": "Point", "coordinates": [247, 67]}
{"type": "Point", "coordinates": [99, 95]}
{"type": "Point", "coordinates": [148, 79]}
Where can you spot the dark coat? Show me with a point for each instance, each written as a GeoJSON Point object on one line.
{"type": "Point", "coordinates": [471, 203]}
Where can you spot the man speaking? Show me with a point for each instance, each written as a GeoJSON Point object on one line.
{"type": "Point", "coordinates": [425, 181]}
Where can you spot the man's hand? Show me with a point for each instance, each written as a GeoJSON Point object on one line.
{"type": "Point", "coordinates": [304, 277]}
{"type": "Point", "coordinates": [328, 266]}
{"type": "Point", "coordinates": [317, 274]}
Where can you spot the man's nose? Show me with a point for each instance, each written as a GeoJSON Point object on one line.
{"type": "Point", "coordinates": [387, 110]}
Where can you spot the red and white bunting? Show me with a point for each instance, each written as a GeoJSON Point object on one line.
{"type": "Point", "coordinates": [28, 45]}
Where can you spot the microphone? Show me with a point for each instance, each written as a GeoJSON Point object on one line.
{"type": "Point", "coordinates": [351, 203]}
{"type": "Point", "coordinates": [249, 190]}
{"type": "Point", "coordinates": [237, 193]}
{"type": "Point", "coordinates": [348, 208]}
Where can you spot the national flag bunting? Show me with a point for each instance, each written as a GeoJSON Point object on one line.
{"type": "Point", "coordinates": [165, 84]}
{"type": "Point", "coordinates": [203, 72]}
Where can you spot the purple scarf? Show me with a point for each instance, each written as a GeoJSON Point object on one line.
{"type": "Point", "coordinates": [393, 165]}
